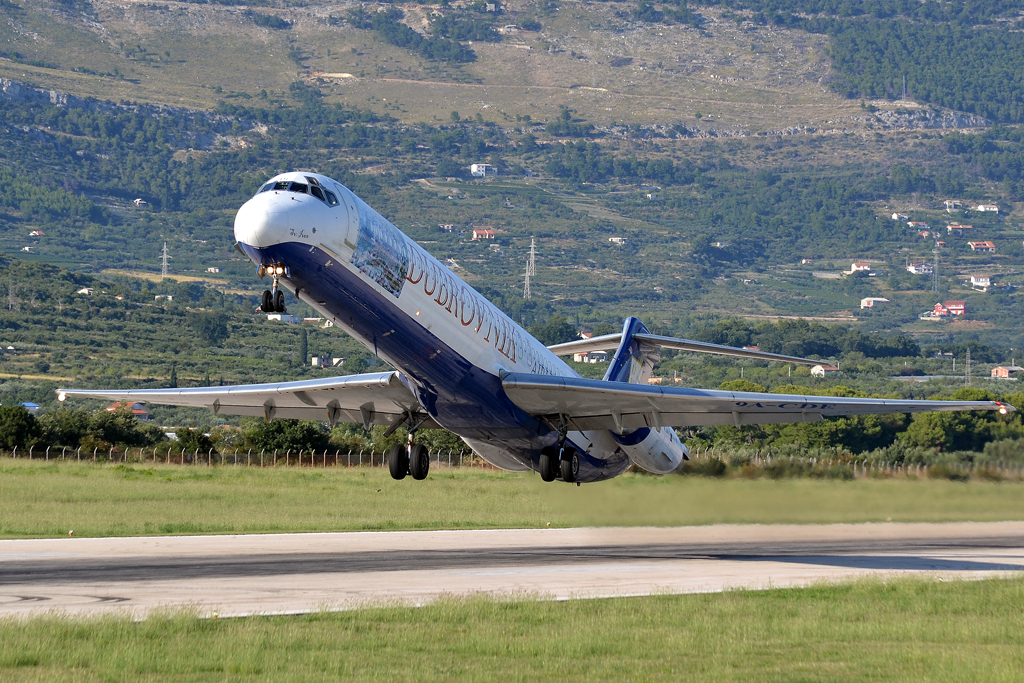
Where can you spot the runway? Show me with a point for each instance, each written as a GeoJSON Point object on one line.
{"type": "Point", "coordinates": [295, 573]}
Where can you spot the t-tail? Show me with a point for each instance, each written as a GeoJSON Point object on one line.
{"type": "Point", "coordinates": [656, 447]}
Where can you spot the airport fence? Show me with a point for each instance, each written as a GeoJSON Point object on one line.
{"type": "Point", "coordinates": [239, 457]}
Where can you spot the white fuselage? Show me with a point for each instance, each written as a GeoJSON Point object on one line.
{"type": "Point", "coordinates": [418, 304]}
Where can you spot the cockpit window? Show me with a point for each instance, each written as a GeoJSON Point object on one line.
{"type": "Point", "coordinates": [316, 192]}
{"type": "Point", "coordinates": [331, 199]}
{"type": "Point", "coordinates": [268, 186]}
{"type": "Point", "coordinates": [301, 188]}
{"type": "Point", "coordinates": [281, 185]}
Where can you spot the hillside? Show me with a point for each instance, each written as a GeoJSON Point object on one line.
{"type": "Point", "coordinates": [718, 139]}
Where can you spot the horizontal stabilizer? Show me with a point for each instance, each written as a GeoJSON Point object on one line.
{"type": "Point", "coordinates": [611, 341]}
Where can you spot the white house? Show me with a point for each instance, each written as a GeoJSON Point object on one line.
{"type": "Point", "coordinates": [921, 268]}
{"type": "Point", "coordinates": [872, 301]}
{"type": "Point", "coordinates": [481, 170]}
{"type": "Point", "coordinates": [859, 268]}
{"type": "Point", "coordinates": [982, 282]}
{"type": "Point", "coordinates": [953, 204]}
{"type": "Point", "coordinates": [822, 370]}
{"type": "Point", "coordinates": [211, 269]}
{"type": "Point", "coordinates": [87, 291]}
{"type": "Point", "coordinates": [140, 202]}
{"type": "Point", "coordinates": [988, 207]}
{"type": "Point", "coordinates": [617, 240]}
{"type": "Point", "coordinates": [591, 357]}
{"type": "Point", "coordinates": [285, 318]}
{"type": "Point", "coordinates": [900, 217]}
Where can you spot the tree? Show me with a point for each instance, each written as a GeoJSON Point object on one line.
{"type": "Point", "coordinates": [286, 435]}
{"type": "Point", "coordinates": [555, 331]}
{"type": "Point", "coordinates": [18, 427]}
{"type": "Point", "coordinates": [209, 326]}
{"type": "Point", "coordinates": [192, 440]}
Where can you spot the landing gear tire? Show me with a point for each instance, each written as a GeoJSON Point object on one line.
{"type": "Point", "coordinates": [548, 463]}
{"type": "Point", "coordinates": [419, 461]}
{"type": "Point", "coordinates": [267, 306]}
{"type": "Point", "coordinates": [279, 301]}
{"type": "Point", "coordinates": [569, 464]}
{"type": "Point", "coordinates": [398, 461]}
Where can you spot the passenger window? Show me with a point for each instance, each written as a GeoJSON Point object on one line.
{"type": "Point", "coordinates": [299, 187]}
{"type": "Point", "coordinates": [331, 199]}
{"type": "Point", "coordinates": [281, 185]}
{"type": "Point", "coordinates": [315, 191]}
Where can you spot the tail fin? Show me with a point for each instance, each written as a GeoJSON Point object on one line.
{"type": "Point", "coordinates": [634, 360]}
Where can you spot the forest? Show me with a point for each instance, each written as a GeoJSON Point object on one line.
{"type": "Point", "coordinates": [962, 54]}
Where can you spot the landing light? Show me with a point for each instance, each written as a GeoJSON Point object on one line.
{"type": "Point", "coordinates": [279, 270]}
{"type": "Point", "coordinates": [62, 397]}
{"type": "Point", "coordinates": [1003, 410]}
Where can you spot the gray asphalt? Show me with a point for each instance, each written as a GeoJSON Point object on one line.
{"type": "Point", "coordinates": [295, 573]}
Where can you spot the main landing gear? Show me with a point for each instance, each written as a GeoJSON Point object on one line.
{"type": "Point", "coordinates": [561, 461]}
{"type": "Point", "coordinates": [273, 299]}
{"type": "Point", "coordinates": [408, 458]}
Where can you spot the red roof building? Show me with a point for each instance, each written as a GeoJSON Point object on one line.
{"type": "Point", "coordinates": [982, 246]}
{"type": "Point", "coordinates": [950, 308]}
{"type": "Point", "coordinates": [138, 409]}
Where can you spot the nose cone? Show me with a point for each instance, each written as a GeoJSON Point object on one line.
{"type": "Point", "coordinates": [253, 223]}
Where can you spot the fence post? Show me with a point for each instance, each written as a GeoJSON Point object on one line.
{"type": "Point", "coordinates": [47, 452]}
{"type": "Point", "coordinates": [248, 459]}
{"type": "Point", "coordinates": [63, 450]}
{"type": "Point", "coordinates": [79, 454]}
{"type": "Point", "coordinates": [275, 457]}
{"type": "Point", "coordinates": [15, 452]}
{"type": "Point", "coordinates": [209, 458]}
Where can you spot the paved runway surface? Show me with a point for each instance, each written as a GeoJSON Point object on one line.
{"type": "Point", "coordinates": [290, 573]}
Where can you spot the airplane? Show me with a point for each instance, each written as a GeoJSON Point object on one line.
{"type": "Point", "coordinates": [462, 364]}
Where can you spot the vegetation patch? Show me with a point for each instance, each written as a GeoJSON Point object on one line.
{"type": "Point", "coordinates": [892, 631]}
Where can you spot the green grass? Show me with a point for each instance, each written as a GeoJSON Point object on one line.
{"type": "Point", "coordinates": [39, 499]}
{"type": "Point", "coordinates": [867, 631]}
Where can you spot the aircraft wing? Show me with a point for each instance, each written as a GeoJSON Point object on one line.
{"type": "Point", "coordinates": [375, 398]}
{"type": "Point", "coordinates": [621, 407]}
{"type": "Point", "coordinates": [608, 342]}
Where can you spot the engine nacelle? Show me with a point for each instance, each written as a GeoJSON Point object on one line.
{"type": "Point", "coordinates": [658, 451]}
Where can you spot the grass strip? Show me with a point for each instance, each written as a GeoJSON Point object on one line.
{"type": "Point", "coordinates": [867, 631]}
{"type": "Point", "coordinates": [39, 499]}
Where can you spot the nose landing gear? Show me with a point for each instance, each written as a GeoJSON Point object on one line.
{"type": "Point", "coordinates": [273, 300]}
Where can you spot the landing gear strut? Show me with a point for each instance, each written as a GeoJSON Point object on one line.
{"type": "Point", "coordinates": [561, 460]}
{"type": "Point", "coordinates": [409, 458]}
{"type": "Point", "coordinates": [273, 299]}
